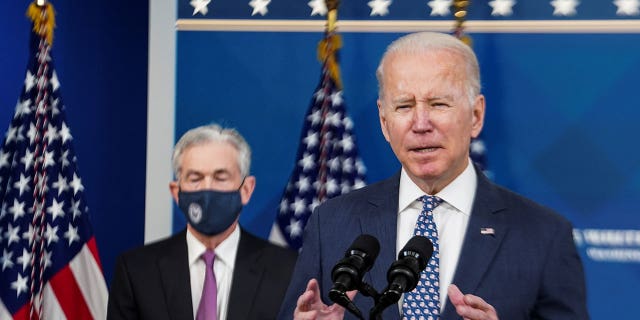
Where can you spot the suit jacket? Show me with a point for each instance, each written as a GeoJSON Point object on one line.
{"type": "Point", "coordinates": [153, 282]}
{"type": "Point", "coordinates": [528, 269]}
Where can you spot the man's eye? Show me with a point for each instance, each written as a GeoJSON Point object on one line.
{"type": "Point", "coordinates": [194, 179]}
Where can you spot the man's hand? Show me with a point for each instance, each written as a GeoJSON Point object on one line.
{"type": "Point", "coordinates": [470, 307]}
{"type": "Point", "coordinates": [311, 307]}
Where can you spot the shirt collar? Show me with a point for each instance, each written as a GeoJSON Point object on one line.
{"type": "Point", "coordinates": [459, 194]}
{"type": "Point", "coordinates": [225, 252]}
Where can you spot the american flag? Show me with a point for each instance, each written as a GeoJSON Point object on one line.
{"type": "Point", "coordinates": [49, 264]}
{"type": "Point", "coordinates": [327, 162]}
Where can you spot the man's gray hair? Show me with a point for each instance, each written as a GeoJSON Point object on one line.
{"type": "Point", "coordinates": [212, 133]}
{"type": "Point", "coordinates": [423, 42]}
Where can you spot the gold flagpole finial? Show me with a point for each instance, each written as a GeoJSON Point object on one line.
{"type": "Point", "coordinates": [460, 10]}
{"type": "Point", "coordinates": [42, 15]}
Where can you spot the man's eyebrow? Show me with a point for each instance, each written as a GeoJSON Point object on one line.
{"type": "Point", "coordinates": [403, 99]}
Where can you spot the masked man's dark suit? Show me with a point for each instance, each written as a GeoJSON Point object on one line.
{"type": "Point", "coordinates": [153, 283]}
{"type": "Point", "coordinates": [527, 269]}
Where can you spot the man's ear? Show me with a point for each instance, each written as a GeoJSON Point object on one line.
{"type": "Point", "coordinates": [477, 116]}
{"type": "Point", "coordinates": [246, 190]}
{"type": "Point", "coordinates": [174, 189]}
{"type": "Point", "coordinates": [383, 120]}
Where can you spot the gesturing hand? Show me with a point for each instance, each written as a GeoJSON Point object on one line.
{"type": "Point", "coordinates": [311, 307]}
{"type": "Point", "coordinates": [470, 307]}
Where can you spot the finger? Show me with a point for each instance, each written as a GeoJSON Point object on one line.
{"type": "Point", "coordinates": [455, 295]}
{"type": "Point", "coordinates": [304, 301]}
{"type": "Point", "coordinates": [313, 285]}
{"type": "Point", "coordinates": [352, 294]}
{"type": "Point", "coordinates": [479, 304]}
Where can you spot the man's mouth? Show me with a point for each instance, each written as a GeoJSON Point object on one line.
{"type": "Point", "coordinates": [425, 149]}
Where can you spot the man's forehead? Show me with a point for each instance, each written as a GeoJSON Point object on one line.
{"type": "Point", "coordinates": [209, 157]}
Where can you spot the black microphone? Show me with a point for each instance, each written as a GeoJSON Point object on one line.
{"type": "Point", "coordinates": [404, 273]}
{"type": "Point", "coordinates": [348, 272]}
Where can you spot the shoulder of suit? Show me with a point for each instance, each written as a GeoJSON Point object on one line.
{"type": "Point", "coordinates": [156, 248]}
{"type": "Point", "coordinates": [381, 188]}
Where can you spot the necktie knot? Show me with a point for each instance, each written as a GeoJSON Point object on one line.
{"type": "Point", "coordinates": [430, 202]}
{"type": "Point", "coordinates": [208, 257]}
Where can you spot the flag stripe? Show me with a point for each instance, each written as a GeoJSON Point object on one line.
{"type": "Point", "coordinates": [52, 308]}
{"type": "Point", "coordinates": [4, 312]}
{"type": "Point", "coordinates": [69, 296]}
{"type": "Point", "coordinates": [86, 269]}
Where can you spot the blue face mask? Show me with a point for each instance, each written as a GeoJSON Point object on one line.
{"type": "Point", "coordinates": [210, 212]}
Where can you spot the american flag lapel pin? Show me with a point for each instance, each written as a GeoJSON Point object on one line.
{"type": "Point", "coordinates": [487, 231]}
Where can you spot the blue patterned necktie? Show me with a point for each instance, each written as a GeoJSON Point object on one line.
{"type": "Point", "coordinates": [423, 302]}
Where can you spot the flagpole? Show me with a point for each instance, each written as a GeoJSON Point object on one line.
{"type": "Point", "coordinates": [332, 16]}
{"type": "Point", "coordinates": [41, 3]}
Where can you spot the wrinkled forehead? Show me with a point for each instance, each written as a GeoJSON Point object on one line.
{"type": "Point", "coordinates": [402, 70]}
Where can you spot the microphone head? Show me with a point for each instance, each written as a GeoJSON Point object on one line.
{"type": "Point", "coordinates": [366, 246]}
{"type": "Point", "coordinates": [420, 248]}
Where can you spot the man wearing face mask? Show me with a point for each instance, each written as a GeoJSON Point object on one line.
{"type": "Point", "coordinates": [213, 269]}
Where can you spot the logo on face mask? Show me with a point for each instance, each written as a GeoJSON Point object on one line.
{"type": "Point", "coordinates": [195, 212]}
{"type": "Point", "coordinates": [210, 212]}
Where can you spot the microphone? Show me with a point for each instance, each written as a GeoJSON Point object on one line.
{"type": "Point", "coordinates": [404, 273]}
{"type": "Point", "coordinates": [348, 272]}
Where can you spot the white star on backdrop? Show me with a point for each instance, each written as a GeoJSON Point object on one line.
{"type": "Point", "coordinates": [76, 184]}
{"type": "Point", "coordinates": [477, 146]}
{"type": "Point", "coordinates": [55, 209]}
{"type": "Point", "coordinates": [627, 7]}
{"type": "Point", "coordinates": [51, 234]}
{"type": "Point", "coordinates": [318, 7]}
{"type": "Point", "coordinates": [564, 7]}
{"type": "Point", "coordinates": [19, 285]}
{"type": "Point", "coordinates": [259, 6]}
{"type": "Point", "coordinates": [379, 7]}
{"type": "Point", "coordinates": [200, 6]}
{"type": "Point", "coordinates": [440, 7]}
{"type": "Point", "coordinates": [72, 234]}
{"type": "Point", "coordinates": [502, 7]}
{"type": "Point", "coordinates": [25, 259]}
{"type": "Point", "coordinates": [55, 84]}
{"type": "Point", "coordinates": [5, 260]}
{"type": "Point", "coordinates": [295, 228]}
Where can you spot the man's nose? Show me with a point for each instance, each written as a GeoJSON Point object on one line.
{"type": "Point", "coordinates": [422, 120]}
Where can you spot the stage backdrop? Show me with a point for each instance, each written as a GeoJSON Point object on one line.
{"type": "Point", "coordinates": [561, 108]}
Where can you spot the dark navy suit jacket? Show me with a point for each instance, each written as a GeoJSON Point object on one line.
{"type": "Point", "coordinates": [152, 282]}
{"type": "Point", "coordinates": [528, 269]}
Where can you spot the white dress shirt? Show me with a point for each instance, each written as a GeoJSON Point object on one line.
{"type": "Point", "coordinates": [222, 268]}
{"type": "Point", "coordinates": [451, 218]}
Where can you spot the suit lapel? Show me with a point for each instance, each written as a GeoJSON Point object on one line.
{"type": "Point", "coordinates": [380, 220]}
{"type": "Point", "coordinates": [478, 249]}
{"type": "Point", "coordinates": [173, 267]}
{"type": "Point", "coordinates": [247, 274]}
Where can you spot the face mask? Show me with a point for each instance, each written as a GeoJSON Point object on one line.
{"type": "Point", "coordinates": [210, 212]}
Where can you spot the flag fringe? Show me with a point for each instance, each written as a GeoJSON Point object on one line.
{"type": "Point", "coordinates": [327, 49]}
{"type": "Point", "coordinates": [43, 18]}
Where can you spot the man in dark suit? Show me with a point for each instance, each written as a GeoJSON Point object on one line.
{"type": "Point", "coordinates": [496, 254]}
{"type": "Point", "coordinates": [170, 279]}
